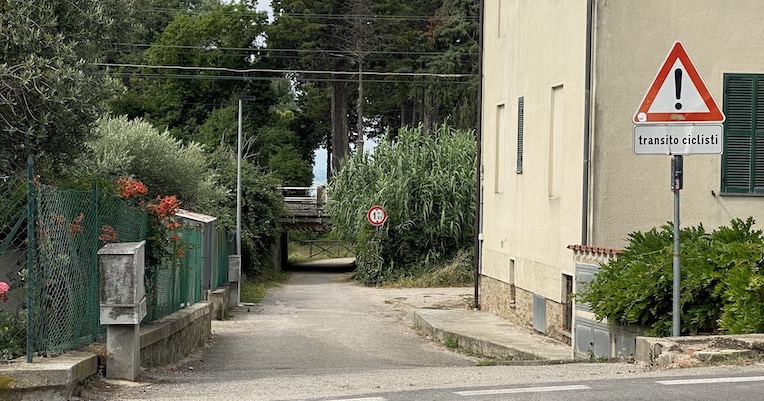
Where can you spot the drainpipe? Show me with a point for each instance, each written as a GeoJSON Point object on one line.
{"type": "Point", "coordinates": [587, 122]}
{"type": "Point", "coordinates": [479, 175]}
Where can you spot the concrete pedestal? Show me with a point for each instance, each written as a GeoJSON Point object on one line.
{"type": "Point", "coordinates": [123, 344]}
{"type": "Point", "coordinates": [123, 306]}
{"type": "Point", "coordinates": [234, 279]}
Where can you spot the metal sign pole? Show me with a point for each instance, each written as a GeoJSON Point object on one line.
{"type": "Point", "coordinates": [676, 173]}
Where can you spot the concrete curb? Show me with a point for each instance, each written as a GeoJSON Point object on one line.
{"type": "Point", "coordinates": [46, 378]}
{"type": "Point", "coordinates": [669, 352]}
{"type": "Point", "coordinates": [482, 346]}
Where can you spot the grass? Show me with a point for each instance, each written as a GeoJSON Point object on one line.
{"type": "Point", "coordinates": [450, 341]}
{"type": "Point", "coordinates": [254, 289]}
{"type": "Point", "coordinates": [459, 272]}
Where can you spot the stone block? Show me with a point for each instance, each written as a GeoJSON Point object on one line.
{"type": "Point", "coordinates": [111, 314]}
{"type": "Point", "coordinates": [219, 300]}
{"type": "Point", "coordinates": [122, 267]}
{"type": "Point", "coordinates": [234, 268]}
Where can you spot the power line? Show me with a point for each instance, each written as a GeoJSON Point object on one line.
{"type": "Point", "coordinates": [267, 49]}
{"type": "Point", "coordinates": [287, 71]}
{"type": "Point", "coordinates": [399, 17]}
{"type": "Point", "coordinates": [251, 78]}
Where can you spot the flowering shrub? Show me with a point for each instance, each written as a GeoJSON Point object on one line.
{"type": "Point", "coordinates": [130, 188]}
{"type": "Point", "coordinates": [162, 242]}
{"type": "Point", "coordinates": [4, 288]}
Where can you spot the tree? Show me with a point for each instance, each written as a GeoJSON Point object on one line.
{"type": "Point", "coordinates": [216, 35]}
{"type": "Point", "coordinates": [310, 29]}
{"type": "Point", "coordinates": [51, 93]}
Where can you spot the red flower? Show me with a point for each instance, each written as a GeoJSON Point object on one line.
{"type": "Point", "coordinates": [108, 234]}
{"type": "Point", "coordinates": [165, 207]}
{"type": "Point", "coordinates": [4, 287]}
{"type": "Point", "coordinates": [131, 188]}
{"type": "Point", "coordinates": [74, 229]}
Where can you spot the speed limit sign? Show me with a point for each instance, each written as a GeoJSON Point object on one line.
{"type": "Point", "coordinates": [376, 216]}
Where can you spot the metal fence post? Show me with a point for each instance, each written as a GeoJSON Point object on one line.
{"type": "Point", "coordinates": [31, 248]}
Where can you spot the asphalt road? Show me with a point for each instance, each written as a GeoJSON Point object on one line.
{"type": "Point", "coordinates": [321, 337]}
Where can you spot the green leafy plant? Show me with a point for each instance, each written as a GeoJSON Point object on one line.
{"type": "Point", "coordinates": [722, 288]}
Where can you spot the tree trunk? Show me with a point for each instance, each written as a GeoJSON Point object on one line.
{"type": "Point", "coordinates": [359, 110]}
{"type": "Point", "coordinates": [328, 155]}
{"type": "Point", "coordinates": [340, 146]}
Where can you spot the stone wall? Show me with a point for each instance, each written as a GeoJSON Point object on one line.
{"type": "Point", "coordinates": [174, 337]}
{"type": "Point", "coordinates": [495, 297]}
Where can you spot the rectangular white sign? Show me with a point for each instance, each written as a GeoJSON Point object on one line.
{"type": "Point", "coordinates": [684, 139]}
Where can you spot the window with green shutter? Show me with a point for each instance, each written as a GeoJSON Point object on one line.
{"type": "Point", "coordinates": [743, 158]}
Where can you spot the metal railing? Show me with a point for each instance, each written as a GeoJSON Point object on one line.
{"type": "Point", "coordinates": [329, 248]}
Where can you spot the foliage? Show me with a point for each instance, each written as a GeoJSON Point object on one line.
{"type": "Point", "coordinates": [262, 212]}
{"type": "Point", "coordinates": [162, 242]}
{"type": "Point", "coordinates": [212, 35]}
{"type": "Point", "coordinates": [406, 40]}
{"type": "Point", "coordinates": [13, 330]}
{"type": "Point", "coordinates": [426, 184]}
{"type": "Point", "coordinates": [457, 272]}
{"type": "Point", "coordinates": [720, 288]}
{"type": "Point", "coordinates": [164, 164]}
{"type": "Point", "coordinates": [52, 92]}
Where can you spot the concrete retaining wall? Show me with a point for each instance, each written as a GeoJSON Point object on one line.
{"type": "Point", "coordinates": [172, 338]}
{"type": "Point", "coordinates": [163, 342]}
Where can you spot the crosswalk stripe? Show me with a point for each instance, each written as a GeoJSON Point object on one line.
{"type": "Point", "coordinates": [712, 380]}
{"type": "Point", "coordinates": [361, 399]}
{"type": "Point", "coordinates": [522, 390]}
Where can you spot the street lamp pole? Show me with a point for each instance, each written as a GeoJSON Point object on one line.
{"type": "Point", "coordinates": [238, 185]}
{"type": "Point", "coordinates": [238, 201]}
{"type": "Point", "coordinates": [238, 176]}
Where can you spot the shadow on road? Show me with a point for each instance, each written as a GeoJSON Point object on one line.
{"type": "Point", "coordinates": [338, 265]}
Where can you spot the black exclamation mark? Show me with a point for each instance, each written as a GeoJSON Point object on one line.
{"type": "Point", "coordinates": [678, 86]}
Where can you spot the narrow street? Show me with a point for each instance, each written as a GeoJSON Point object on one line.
{"type": "Point", "coordinates": [323, 337]}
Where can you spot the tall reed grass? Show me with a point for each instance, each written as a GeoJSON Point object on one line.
{"type": "Point", "coordinates": [426, 183]}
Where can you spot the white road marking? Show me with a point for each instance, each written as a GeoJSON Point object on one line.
{"type": "Point", "coordinates": [360, 399]}
{"type": "Point", "coordinates": [712, 381]}
{"type": "Point", "coordinates": [522, 390]}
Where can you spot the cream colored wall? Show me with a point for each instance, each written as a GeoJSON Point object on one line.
{"type": "Point", "coordinates": [532, 46]}
{"type": "Point", "coordinates": [632, 192]}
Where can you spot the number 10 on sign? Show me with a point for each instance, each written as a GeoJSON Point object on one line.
{"type": "Point", "coordinates": [376, 216]}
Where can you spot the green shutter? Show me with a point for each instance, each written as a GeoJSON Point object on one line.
{"type": "Point", "coordinates": [739, 145]}
{"type": "Point", "coordinates": [520, 125]}
{"type": "Point", "coordinates": [758, 127]}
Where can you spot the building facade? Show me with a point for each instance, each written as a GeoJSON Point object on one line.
{"type": "Point", "coordinates": [560, 172]}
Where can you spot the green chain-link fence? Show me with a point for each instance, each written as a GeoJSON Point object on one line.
{"type": "Point", "coordinates": [52, 301]}
{"type": "Point", "coordinates": [13, 258]}
{"type": "Point", "coordinates": [223, 248]}
{"type": "Point", "coordinates": [176, 283]}
{"type": "Point", "coordinates": [63, 275]}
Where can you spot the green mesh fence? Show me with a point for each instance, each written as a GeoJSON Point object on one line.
{"type": "Point", "coordinates": [13, 258]}
{"type": "Point", "coordinates": [223, 247]}
{"type": "Point", "coordinates": [176, 283]}
{"type": "Point", "coordinates": [52, 305]}
{"type": "Point", "coordinates": [63, 277]}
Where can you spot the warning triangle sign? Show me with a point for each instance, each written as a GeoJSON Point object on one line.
{"type": "Point", "coordinates": [678, 94]}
